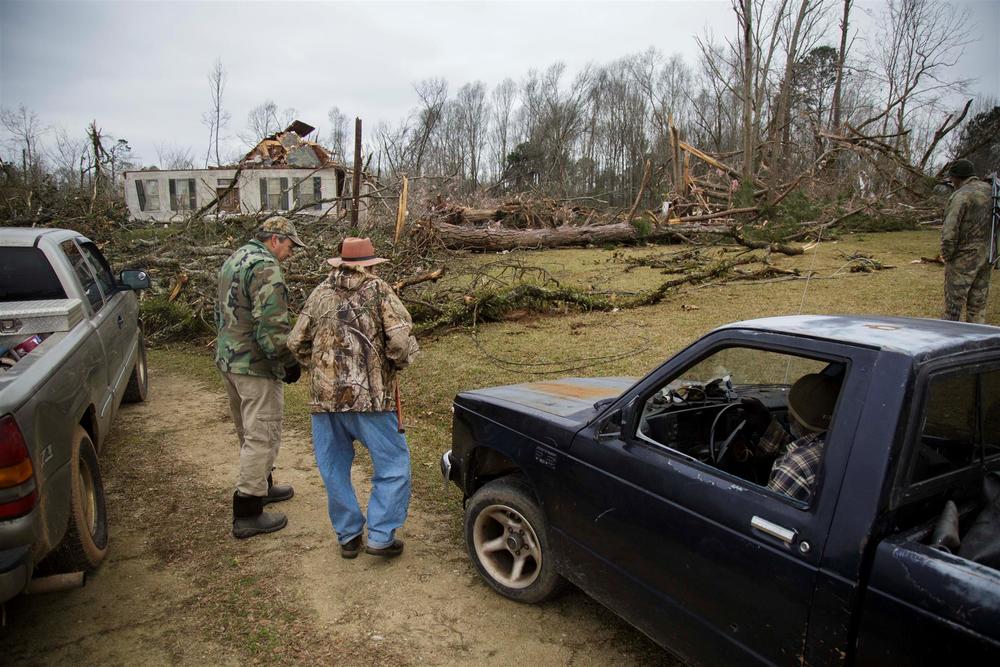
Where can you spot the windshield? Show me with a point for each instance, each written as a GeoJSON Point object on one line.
{"type": "Point", "coordinates": [26, 275]}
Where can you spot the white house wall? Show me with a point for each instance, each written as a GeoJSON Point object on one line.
{"type": "Point", "coordinates": [205, 185]}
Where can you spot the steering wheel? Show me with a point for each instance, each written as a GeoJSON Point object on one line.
{"type": "Point", "coordinates": [724, 447]}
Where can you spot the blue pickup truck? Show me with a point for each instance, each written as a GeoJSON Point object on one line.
{"type": "Point", "coordinates": [867, 534]}
{"type": "Point", "coordinates": [71, 351]}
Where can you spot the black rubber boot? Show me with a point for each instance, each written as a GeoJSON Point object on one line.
{"type": "Point", "coordinates": [277, 492]}
{"type": "Point", "coordinates": [249, 517]}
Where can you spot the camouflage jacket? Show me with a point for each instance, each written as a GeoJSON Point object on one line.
{"type": "Point", "coordinates": [354, 335]}
{"type": "Point", "coordinates": [251, 314]}
{"type": "Point", "coordinates": [965, 236]}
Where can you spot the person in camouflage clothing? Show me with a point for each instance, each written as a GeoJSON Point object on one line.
{"type": "Point", "coordinates": [354, 336]}
{"type": "Point", "coordinates": [965, 240]}
{"type": "Point", "coordinates": [252, 323]}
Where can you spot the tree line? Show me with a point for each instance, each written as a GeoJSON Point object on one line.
{"type": "Point", "coordinates": [769, 98]}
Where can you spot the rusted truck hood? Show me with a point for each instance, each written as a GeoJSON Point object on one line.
{"type": "Point", "coordinates": [564, 397]}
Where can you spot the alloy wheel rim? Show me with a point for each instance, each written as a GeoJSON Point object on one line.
{"type": "Point", "coordinates": [507, 547]}
{"type": "Point", "coordinates": [88, 497]}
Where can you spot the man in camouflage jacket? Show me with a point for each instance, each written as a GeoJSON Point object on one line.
{"type": "Point", "coordinates": [965, 240]}
{"type": "Point", "coordinates": [252, 322]}
{"type": "Point", "coordinates": [354, 336]}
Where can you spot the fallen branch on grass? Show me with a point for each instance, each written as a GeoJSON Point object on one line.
{"type": "Point", "coordinates": [737, 234]}
{"type": "Point", "coordinates": [432, 276]}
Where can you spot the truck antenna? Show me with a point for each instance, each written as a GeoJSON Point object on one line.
{"type": "Point", "coordinates": [805, 289]}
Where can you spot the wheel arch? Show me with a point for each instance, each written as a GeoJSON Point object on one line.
{"type": "Point", "coordinates": [486, 464]}
{"type": "Point", "coordinates": [88, 420]}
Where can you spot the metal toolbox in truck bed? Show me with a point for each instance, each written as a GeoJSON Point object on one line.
{"type": "Point", "coordinates": [23, 318]}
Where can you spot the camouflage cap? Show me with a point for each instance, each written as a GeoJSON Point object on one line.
{"type": "Point", "coordinates": [278, 224]}
{"type": "Point", "coordinates": [961, 169]}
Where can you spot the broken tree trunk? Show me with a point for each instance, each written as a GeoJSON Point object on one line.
{"type": "Point", "coordinates": [638, 195]}
{"type": "Point", "coordinates": [495, 239]}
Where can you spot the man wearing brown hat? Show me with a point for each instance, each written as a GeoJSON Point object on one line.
{"type": "Point", "coordinates": [965, 240]}
{"type": "Point", "coordinates": [354, 336]}
{"type": "Point", "coordinates": [251, 318]}
{"type": "Point", "coordinates": [799, 450]}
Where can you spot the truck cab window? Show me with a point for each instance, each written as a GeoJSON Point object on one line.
{"type": "Point", "coordinates": [961, 423]}
{"type": "Point", "coordinates": [758, 415]}
{"type": "Point", "coordinates": [27, 275]}
{"type": "Point", "coordinates": [102, 271]}
{"type": "Point", "coordinates": [84, 273]}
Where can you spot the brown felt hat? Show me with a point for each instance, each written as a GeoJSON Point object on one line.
{"type": "Point", "coordinates": [811, 400]}
{"type": "Point", "coordinates": [356, 252]}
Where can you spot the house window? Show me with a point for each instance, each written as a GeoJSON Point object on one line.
{"type": "Point", "coordinates": [148, 191]}
{"type": "Point", "coordinates": [152, 195]}
{"type": "Point", "coordinates": [308, 195]}
{"type": "Point", "coordinates": [274, 194]}
{"type": "Point", "coordinates": [182, 194]}
{"type": "Point", "coordinates": [228, 201]}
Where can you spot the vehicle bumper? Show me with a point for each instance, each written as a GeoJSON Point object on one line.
{"type": "Point", "coordinates": [446, 466]}
{"type": "Point", "coordinates": [15, 571]}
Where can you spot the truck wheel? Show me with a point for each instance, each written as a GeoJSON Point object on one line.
{"type": "Point", "coordinates": [138, 383]}
{"type": "Point", "coordinates": [506, 538]}
{"type": "Point", "coordinates": [86, 541]}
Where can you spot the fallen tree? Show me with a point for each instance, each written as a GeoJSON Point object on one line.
{"type": "Point", "coordinates": [497, 237]}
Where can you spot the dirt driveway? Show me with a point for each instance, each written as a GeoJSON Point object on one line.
{"type": "Point", "coordinates": [176, 587]}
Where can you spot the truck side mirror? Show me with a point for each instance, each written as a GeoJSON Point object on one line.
{"type": "Point", "coordinates": [628, 413]}
{"type": "Point", "coordinates": [617, 422]}
{"type": "Point", "coordinates": [134, 279]}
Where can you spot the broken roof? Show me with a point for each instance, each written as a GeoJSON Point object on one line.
{"type": "Point", "coordinates": [289, 149]}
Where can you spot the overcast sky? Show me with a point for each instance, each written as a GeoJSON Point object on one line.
{"type": "Point", "coordinates": [140, 68]}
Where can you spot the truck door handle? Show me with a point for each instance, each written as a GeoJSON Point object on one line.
{"type": "Point", "coordinates": [121, 321]}
{"type": "Point", "coordinates": [786, 535]}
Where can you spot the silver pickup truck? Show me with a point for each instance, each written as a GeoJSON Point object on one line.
{"type": "Point", "coordinates": [70, 352]}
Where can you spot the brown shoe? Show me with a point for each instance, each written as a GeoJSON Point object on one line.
{"type": "Point", "coordinates": [351, 548]}
{"type": "Point", "coordinates": [390, 551]}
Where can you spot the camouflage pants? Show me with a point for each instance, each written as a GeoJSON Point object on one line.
{"type": "Point", "coordinates": [256, 404]}
{"type": "Point", "coordinates": [966, 288]}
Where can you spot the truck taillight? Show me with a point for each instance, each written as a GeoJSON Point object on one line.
{"type": "Point", "coordinates": [15, 470]}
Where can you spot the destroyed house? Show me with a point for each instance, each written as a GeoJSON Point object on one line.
{"type": "Point", "coordinates": [282, 173]}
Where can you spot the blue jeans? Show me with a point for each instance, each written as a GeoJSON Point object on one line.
{"type": "Point", "coordinates": [334, 434]}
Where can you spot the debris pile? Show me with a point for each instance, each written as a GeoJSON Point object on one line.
{"type": "Point", "coordinates": [184, 270]}
{"type": "Point", "coordinates": [288, 149]}
{"type": "Point", "coordinates": [707, 196]}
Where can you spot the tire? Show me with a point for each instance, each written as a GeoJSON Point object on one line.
{"type": "Point", "coordinates": [507, 540]}
{"type": "Point", "coordinates": [138, 382]}
{"type": "Point", "coordinates": [86, 541]}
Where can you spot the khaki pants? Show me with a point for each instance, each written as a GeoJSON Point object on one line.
{"type": "Point", "coordinates": [256, 404]}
